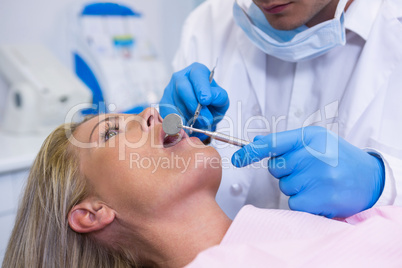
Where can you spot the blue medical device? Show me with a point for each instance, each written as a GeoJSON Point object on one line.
{"type": "Point", "coordinates": [112, 56]}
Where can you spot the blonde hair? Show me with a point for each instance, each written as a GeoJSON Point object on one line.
{"type": "Point", "coordinates": [41, 236]}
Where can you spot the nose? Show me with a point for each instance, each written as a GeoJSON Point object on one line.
{"type": "Point", "coordinates": [152, 117]}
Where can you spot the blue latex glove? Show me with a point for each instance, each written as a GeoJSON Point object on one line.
{"type": "Point", "coordinates": [321, 172]}
{"type": "Point", "coordinates": [190, 86]}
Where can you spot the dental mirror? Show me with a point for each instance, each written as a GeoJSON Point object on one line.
{"type": "Point", "coordinates": [172, 124]}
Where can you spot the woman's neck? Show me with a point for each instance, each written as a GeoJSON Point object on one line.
{"type": "Point", "coordinates": [174, 238]}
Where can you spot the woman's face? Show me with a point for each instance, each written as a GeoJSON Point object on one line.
{"type": "Point", "coordinates": [133, 167]}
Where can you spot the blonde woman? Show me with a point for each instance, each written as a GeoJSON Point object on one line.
{"type": "Point", "coordinates": [85, 206]}
{"type": "Point", "coordinates": [115, 192]}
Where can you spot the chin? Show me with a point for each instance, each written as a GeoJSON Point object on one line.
{"type": "Point", "coordinates": [204, 161]}
{"type": "Point", "coordinates": [208, 160]}
{"type": "Point", "coordinates": [284, 23]}
{"type": "Point", "coordinates": [208, 169]}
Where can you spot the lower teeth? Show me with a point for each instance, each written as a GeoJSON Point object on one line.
{"type": "Point", "coordinates": [171, 140]}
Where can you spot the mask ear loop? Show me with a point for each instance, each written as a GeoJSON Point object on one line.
{"type": "Point", "coordinates": [340, 9]}
{"type": "Point", "coordinates": [244, 12]}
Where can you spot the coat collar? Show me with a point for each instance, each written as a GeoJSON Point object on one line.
{"type": "Point", "coordinates": [361, 15]}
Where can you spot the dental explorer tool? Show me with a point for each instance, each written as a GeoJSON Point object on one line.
{"type": "Point", "coordinates": [199, 106]}
{"type": "Point", "coordinates": [172, 124]}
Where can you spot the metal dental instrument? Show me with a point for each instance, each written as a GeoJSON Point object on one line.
{"type": "Point", "coordinates": [172, 124]}
{"type": "Point", "coordinates": [199, 106]}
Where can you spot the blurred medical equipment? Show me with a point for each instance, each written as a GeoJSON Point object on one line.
{"type": "Point", "coordinates": [115, 59]}
{"type": "Point", "coordinates": [172, 124]}
{"type": "Point", "coordinates": [199, 106]}
{"type": "Point", "coordinates": [41, 90]}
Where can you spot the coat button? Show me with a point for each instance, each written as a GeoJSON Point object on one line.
{"type": "Point", "coordinates": [299, 113]}
{"type": "Point", "coordinates": [236, 189]}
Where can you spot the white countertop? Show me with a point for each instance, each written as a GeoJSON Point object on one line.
{"type": "Point", "coordinates": [18, 151]}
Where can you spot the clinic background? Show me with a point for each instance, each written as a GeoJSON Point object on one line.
{"type": "Point", "coordinates": [47, 22]}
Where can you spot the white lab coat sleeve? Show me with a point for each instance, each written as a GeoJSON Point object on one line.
{"type": "Point", "coordinates": [392, 192]}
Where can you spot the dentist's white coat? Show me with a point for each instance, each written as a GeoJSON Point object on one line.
{"type": "Point", "coordinates": [356, 89]}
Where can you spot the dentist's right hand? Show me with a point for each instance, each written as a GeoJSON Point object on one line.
{"type": "Point", "coordinates": [190, 86]}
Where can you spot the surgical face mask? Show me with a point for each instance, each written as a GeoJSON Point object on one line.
{"type": "Point", "coordinates": [300, 44]}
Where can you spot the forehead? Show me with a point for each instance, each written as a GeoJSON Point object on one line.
{"type": "Point", "coordinates": [84, 129]}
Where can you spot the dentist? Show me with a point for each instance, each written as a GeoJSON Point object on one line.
{"type": "Point", "coordinates": [315, 84]}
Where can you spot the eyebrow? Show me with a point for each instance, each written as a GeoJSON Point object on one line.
{"type": "Point", "coordinates": [97, 124]}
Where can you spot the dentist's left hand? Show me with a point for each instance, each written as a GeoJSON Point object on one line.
{"type": "Point", "coordinates": [322, 173]}
{"type": "Point", "coordinates": [190, 86]}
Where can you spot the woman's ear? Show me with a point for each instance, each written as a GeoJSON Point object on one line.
{"type": "Point", "coordinates": [89, 216]}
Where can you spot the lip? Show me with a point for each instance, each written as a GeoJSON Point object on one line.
{"type": "Point", "coordinates": [276, 8]}
{"type": "Point", "coordinates": [163, 135]}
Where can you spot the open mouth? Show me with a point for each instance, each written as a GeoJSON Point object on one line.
{"type": "Point", "coordinates": [170, 141]}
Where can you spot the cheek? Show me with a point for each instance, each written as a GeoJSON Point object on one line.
{"type": "Point", "coordinates": [106, 173]}
{"type": "Point", "coordinates": [147, 179]}
{"type": "Point", "coordinates": [127, 188]}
